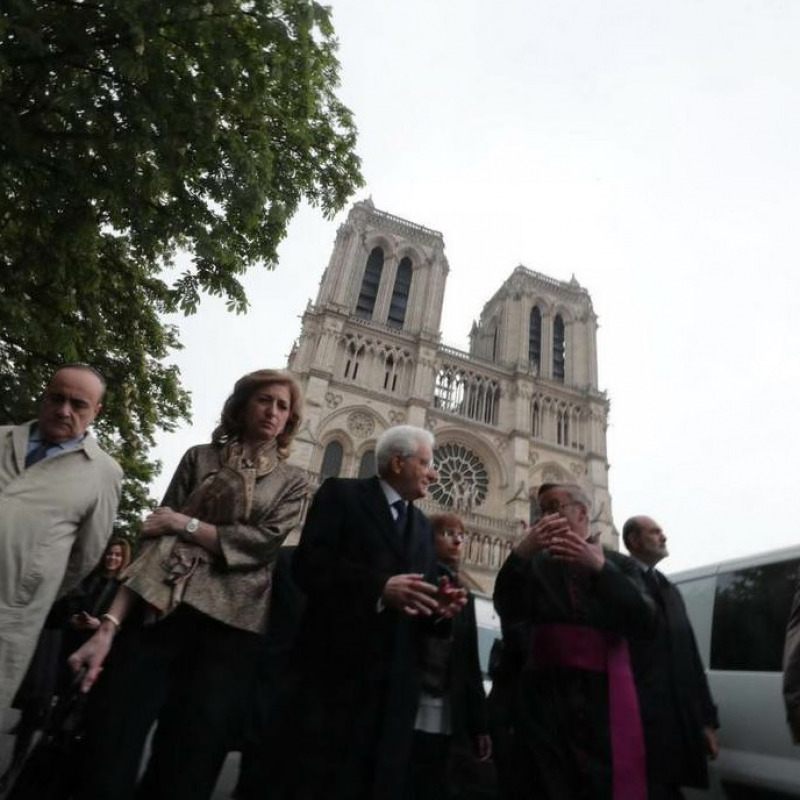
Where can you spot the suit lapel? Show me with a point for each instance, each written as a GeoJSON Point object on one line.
{"type": "Point", "coordinates": [655, 583]}
{"type": "Point", "coordinates": [420, 542]}
{"type": "Point", "coordinates": [672, 602]}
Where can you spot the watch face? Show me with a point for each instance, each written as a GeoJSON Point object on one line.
{"type": "Point", "coordinates": [192, 525]}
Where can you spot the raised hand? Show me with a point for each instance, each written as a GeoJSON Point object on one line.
{"type": "Point", "coordinates": [572, 548]}
{"type": "Point", "coordinates": [451, 598]}
{"type": "Point", "coordinates": [540, 535]}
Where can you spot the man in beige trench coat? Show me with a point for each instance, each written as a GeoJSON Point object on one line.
{"type": "Point", "coordinates": [58, 498]}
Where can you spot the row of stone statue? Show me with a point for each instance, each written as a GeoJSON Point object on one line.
{"type": "Point", "coordinates": [486, 551]}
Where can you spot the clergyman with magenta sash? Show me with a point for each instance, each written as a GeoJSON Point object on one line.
{"type": "Point", "coordinates": [580, 731]}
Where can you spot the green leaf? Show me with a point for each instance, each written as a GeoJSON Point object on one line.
{"type": "Point", "coordinates": [131, 130]}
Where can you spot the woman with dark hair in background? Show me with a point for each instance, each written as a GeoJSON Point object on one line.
{"type": "Point", "coordinates": [202, 585]}
{"type": "Point", "coordinates": [69, 624]}
{"type": "Point", "coordinates": [86, 604]}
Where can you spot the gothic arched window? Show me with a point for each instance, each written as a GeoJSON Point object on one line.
{"type": "Point", "coordinates": [536, 419]}
{"type": "Point", "coordinates": [390, 374]}
{"type": "Point", "coordinates": [559, 350]}
{"type": "Point", "coordinates": [460, 391]}
{"type": "Point", "coordinates": [367, 467]}
{"type": "Point", "coordinates": [369, 286]}
{"type": "Point", "coordinates": [562, 427]}
{"type": "Point", "coordinates": [332, 461]}
{"type": "Point", "coordinates": [535, 339]}
{"type": "Point", "coordinates": [402, 286]}
{"type": "Point", "coordinates": [353, 361]}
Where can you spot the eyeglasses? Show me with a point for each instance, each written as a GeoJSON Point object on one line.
{"type": "Point", "coordinates": [456, 536]}
{"type": "Point", "coordinates": [557, 509]}
{"type": "Point", "coordinates": [58, 399]}
{"type": "Point", "coordinates": [425, 463]}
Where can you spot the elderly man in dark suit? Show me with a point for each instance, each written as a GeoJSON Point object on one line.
{"type": "Point", "coordinates": [367, 567]}
{"type": "Point", "coordinates": [678, 714]}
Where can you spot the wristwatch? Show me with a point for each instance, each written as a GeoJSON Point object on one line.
{"type": "Point", "coordinates": [191, 528]}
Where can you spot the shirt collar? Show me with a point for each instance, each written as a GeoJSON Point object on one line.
{"type": "Point", "coordinates": [642, 566]}
{"type": "Point", "coordinates": [389, 492]}
{"type": "Point", "coordinates": [35, 439]}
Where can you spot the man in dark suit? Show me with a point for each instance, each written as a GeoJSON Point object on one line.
{"type": "Point", "coordinates": [678, 714]}
{"type": "Point", "coordinates": [366, 565]}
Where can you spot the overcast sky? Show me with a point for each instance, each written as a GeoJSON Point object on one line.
{"type": "Point", "coordinates": [650, 149]}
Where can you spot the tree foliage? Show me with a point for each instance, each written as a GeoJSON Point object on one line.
{"type": "Point", "coordinates": [130, 131]}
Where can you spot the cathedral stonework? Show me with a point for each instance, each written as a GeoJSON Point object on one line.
{"type": "Point", "coordinates": [463, 481]}
{"type": "Point", "coordinates": [522, 407]}
{"type": "Point", "coordinates": [361, 425]}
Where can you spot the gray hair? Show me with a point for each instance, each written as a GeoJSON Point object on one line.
{"type": "Point", "coordinates": [402, 440]}
{"type": "Point", "coordinates": [83, 368]}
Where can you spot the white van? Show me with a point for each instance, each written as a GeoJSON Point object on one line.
{"type": "Point", "coordinates": [739, 611]}
{"type": "Point", "coordinates": [488, 630]}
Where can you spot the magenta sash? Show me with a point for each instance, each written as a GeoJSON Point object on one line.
{"type": "Point", "coordinates": [579, 647]}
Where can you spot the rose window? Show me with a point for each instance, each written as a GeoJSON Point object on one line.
{"type": "Point", "coordinates": [463, 481]}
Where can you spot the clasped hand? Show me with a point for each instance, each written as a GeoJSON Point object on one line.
{"type": "Point", "coordinates": [164, 521]}
{"type": "Point", "coordinates": [412, 595]}
{"type": "Point", "coordinates": [553, 533]}
{"type": "Point", "coordinates": [574, 549]}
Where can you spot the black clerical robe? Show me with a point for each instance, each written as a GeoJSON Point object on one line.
{"type": "Point", "coordinates": [563, 711]}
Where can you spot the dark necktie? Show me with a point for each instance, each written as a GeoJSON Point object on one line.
{"type": "Point", "coordinates": [402, 513]}
{"type": "Point", "coordinates": [37, 454]}
{"type": "Point", "coordinates": [651, 579]}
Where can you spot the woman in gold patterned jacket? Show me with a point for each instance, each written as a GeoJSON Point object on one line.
{"type": "Point", "coordinates": [201, 585]}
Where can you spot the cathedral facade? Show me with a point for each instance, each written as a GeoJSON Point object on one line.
{"type": "Point", "coordinates": [521, 408]}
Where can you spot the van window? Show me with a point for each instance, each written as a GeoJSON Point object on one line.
{"type": "Point", "coordinates": [488, 629]}
{"type": "Point", "coordinates": [750, 613]}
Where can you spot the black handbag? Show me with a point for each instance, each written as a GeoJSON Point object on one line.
{"type": "Point", "coordinates": [53, 765]}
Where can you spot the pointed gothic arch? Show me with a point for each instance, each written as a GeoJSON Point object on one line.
{"type": "Point", "coordinates": [332, 459]}
{"type": "Point", "coordinates": [400, 293]}
{"type": "Point", "coordinates": [535, 339]}
{"type": "Point", "coordinates": [559, 348]}
{"type": "Point", "coordinates": [365, 306]}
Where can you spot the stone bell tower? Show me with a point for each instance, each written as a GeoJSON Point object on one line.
{"type": "Point", "coordinates": [520, 408]}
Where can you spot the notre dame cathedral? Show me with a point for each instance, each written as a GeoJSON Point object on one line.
{"type": "Point", "coordinates": [521, 408]}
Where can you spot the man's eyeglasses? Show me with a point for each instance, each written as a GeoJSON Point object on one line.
{"type": "Point", "coordinates": [58, 399]}
{"type": "Point", "coordinates": [425, 463]}
{"type": "Point", "coordinates": [557, 509]}
{"type": "Point", "coordinates": [456, 536]}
